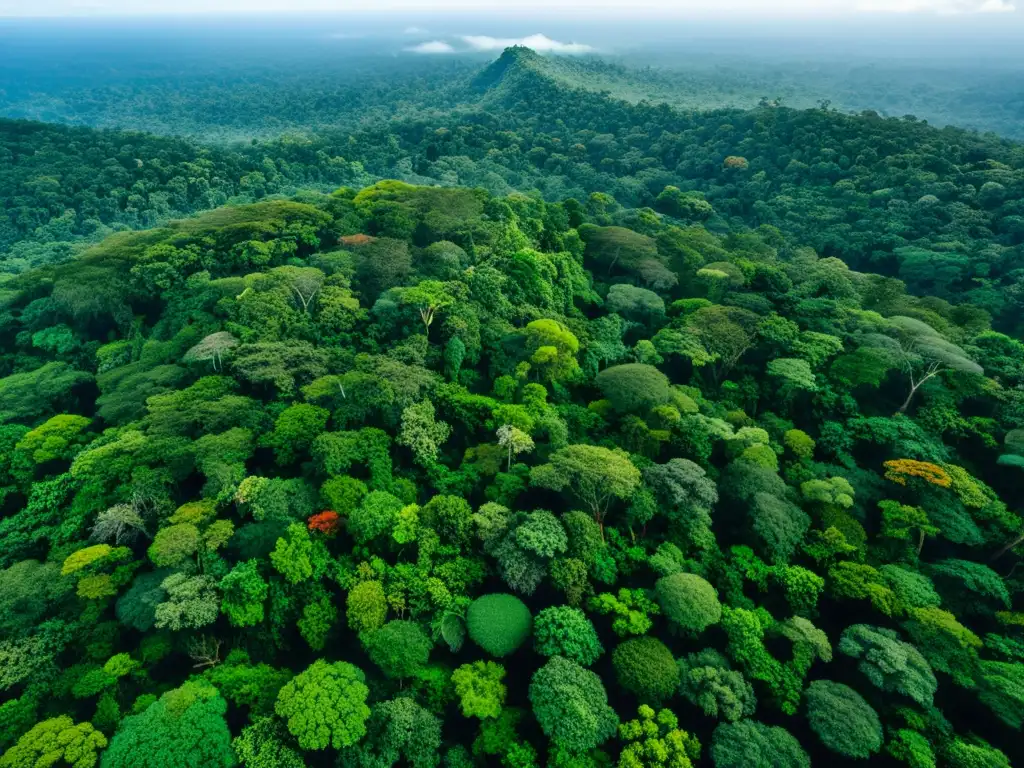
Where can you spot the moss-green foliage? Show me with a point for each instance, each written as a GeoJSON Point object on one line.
{"type": "Point", "coordinates": [644, 666]}
{"type": "Point", "coordinates": [749, 743]}
{"type": "Point", "coordinates": [565, 631]}
{"type": "Point", "coordinates": [843, 721]}
{"type": "Point", "coordinates": [571, 705]}
{"type": "Point", "coordinates": [498, 623]}
{"type": "Point", "coordinates": [707, 680]}
{"type": "Point", "coordinates": [399, 648]}
{"type": "Point", "coordinates": [183, 727]}
{"type": "Point", "coordinates": [399, 730]}
{"type": "Point", "coordinates": [888, 662]}
{"type": "Point", "coordinates": [688, 601]}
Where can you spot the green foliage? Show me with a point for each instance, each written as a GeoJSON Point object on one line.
{"type": "Point", "coordinates": [184, 727]}
{"type": "Point", "coordinates": [596, 476]}
{"type": "Point", "coordinates": [843, 721]}
{"type": "Point", "coordinates": [57, 741]}
{"type": "Point", "coordinates": [325, 705]}
{"type": "Point", "coordinates": [479, 688]}
{"type": "Point", "coordinates": [264, 745]}
{"type": "Point", "coordinates": [689, 602]}
{"type": "Point", "coordinates": [740, 468]}
{"type": "Point", "coordinates": [244, 591]}
{"type": "Point", "coordinates": [888, 662]}
{"type": "Point", "coordinates": [398, 731]}
{"type": "Point", "coordinates": [293, 555]}
{"type": "Point", "coordinates": [566, 631]}
{"type": "Point", "coordinates": [366, 607]}
{"type": "Point", "coordinates": [498, 623]}
{"type": "Point", "coordinates": [399, 648]}
{"type": "Point", "coordinates": [748, 743]}
{"type": "Point", "coordinates": [632, 610]}
{"type": "Point", "coordinates": [654, 739]}
{"type": "Point", "coordinates": [644, 666]}
{"type": "Point", "coordinates": [707, 681]}
{"type": "Point", "coordinates": [571, 705]}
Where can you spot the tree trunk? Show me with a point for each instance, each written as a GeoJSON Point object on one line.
{"type": "Point", "coordinates": [1008, 547]}
{"type": "Point", "coordinates": [906, 403]}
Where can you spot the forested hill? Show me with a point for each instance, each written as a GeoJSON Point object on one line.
{"type": "Point", "coordinates": [940, 210]}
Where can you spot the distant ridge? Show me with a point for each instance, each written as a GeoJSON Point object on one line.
{"type": "Point", "coordinates": [516, 63]}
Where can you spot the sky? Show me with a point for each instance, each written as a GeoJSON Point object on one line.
{"type": "Point", "coordinates": [676, 8]}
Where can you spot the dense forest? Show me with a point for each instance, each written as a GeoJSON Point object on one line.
{"type": "Point", "coordinates": [554, 430]}
{"type": "Point", "coordinates": [941, 210]}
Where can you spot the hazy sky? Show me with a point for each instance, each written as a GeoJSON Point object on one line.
{"type": "Point", "coordinates": [691, 8]}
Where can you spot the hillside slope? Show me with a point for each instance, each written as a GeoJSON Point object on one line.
{"type": "Point", "coordinates": [427, 475]}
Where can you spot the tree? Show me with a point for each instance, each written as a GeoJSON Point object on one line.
{"type": "Point", "coordinates": [644, 666]}
{"type": "Point", "coordinates": [515, 441]}
{"type": "Point", "coordinates": [399, 731]}
{"type": "Point", "coordinates": [726, 334]}
{"type": "Point", "coordinates": [57, 741]}
{"type": "Point", "coordinates": [634, 387]}
{"type": "Point", "coordinates": [596, 476]}
{"type": "Point", "coordinates": [888, 662]}
{"type": "Point", "coordinates": [264, 744]}
{"type": "Point", "coordinates": [707, 681]}
{"type": "Point", "coordinates": [184, 727]}
{"type": "Point", "coordinates": [552, 349]}
{"type": "Point", "coordinates": [121, 523]}
{"type": "Point", "coordinates": [479, 688]}
{"type": "Point", "coordinates": [191, 602]}
{"type": "Point", "coordinates": [1001, 689]}
{"type": "Point", "coordinates": [429, 297]}
{"type": "Point", "coordinates": [212, 348]}
{"type": "Point", "coordinates": [843, 721]}
{"type": "Point", "coordinates": [375, 516]}
{"type": "Point", "coordinates": [794, 375]}
{"type": "Point", "coordinates": [136, 608]}
{"type": "Point", "coordinates": [305, 283]}
{"type": "Point", "coordinates": [632, 609]}
{"type": "Point", "coordinates": [244, 592]}
{"type": "Point", "coordinates": [900, 521]}
{"type": "Point", "coordinates": [294, 431]}
{"type": "Point", "coordinates": [399, 648]}
{"type": "Point", "coordinates": [325, 705]}
{"type": "Point", "coordinates": [565, 631]}
{"type": "Point", "coordinates": [688, 601]}
{"type": "Point", "coordinates": [421, 433]}
{"type": "Point", "coordinates": [173, 544]}
{"type": "Point", "coordinates": [366, 606]}
{"type": "Point", "coordinates": [571, 706]}
{"type": "Point", "coordinates": [498, 623]}
{"type": "Point", "coordinates": [634, 303]}
{"type": "Point", "coordinates": [923, 354]}
{"type": "Point", "coordinates": [654, 740]}
{"type": "Point", "coordinates": [293, 554]}
{"type": "Point", "coordinates": [749, 743]}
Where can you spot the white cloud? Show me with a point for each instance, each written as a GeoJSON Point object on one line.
{"type": "Point", "coordinates": [414, 31]}
{"type": "Point", "coordinates": [941, 7]}
{"type": "Point", "coordinates": [434, 46]}
{"type": "Point", "coordinates": [539, 43]}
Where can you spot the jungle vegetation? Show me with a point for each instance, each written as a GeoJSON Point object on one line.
{"type": "Point", "coordinates": [605, 434]}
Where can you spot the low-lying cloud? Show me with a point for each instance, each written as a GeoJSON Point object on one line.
{"type": "Point", "coordinates": [943, 7]}
{"type": "Point", "coordinates": [433, 46]}
{"type": "Point", "coordinates": [539, 43]}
